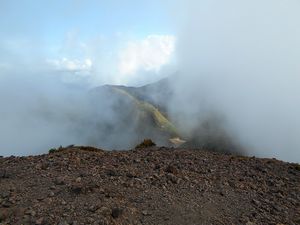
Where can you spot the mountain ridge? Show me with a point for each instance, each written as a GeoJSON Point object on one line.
{"type": "Point", "coordinates": [152, 101]}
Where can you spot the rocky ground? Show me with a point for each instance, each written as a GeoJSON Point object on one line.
{"type": "Point", "coordinates": [81, 185]}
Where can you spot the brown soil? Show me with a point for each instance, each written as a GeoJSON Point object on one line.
{"type": "Point", "coordinates": [147, 186]}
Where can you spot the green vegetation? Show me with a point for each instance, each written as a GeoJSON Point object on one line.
{"type": "Point", "coordinates": [52, 150]}
{"type": "Point", "coordinates": [160, 120]}
{"type": "Point", "coordinates": [146, 144]}
{"type": "Point", "coordinates": [297, 167]}
{"type": "Point", "coordinates": [148, 110]}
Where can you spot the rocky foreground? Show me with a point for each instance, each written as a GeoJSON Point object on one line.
{"type": "Point", "coordinates": [82, 185]}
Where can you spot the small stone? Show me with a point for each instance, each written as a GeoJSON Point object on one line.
{"type": "Point", "coordinates": [101, 190]}
{"type": "Point", "coordinates": [137, 160]}
{"type": "Point", "coordinates": [104, 211]}
{"type": "Point", "coordinates": [40, 198]}
{"type": "Point", "coordinates": [146, 213]}
{"type": "Point", "coordinates": [12, 200]}
{"type": "Point", "coordinates": [93, 208]}
{"type": "Point", "coordinates": [186, 178]}
{"type": "Point", "coordinates": [256, 202]}
{"type": "Point", "coordinates": [131, 175]}
{"type": "Point", "coordinates": [171, 169]}
{"type": "Point", "coordinates": [280, 195]}
{"type": "Point", "coordinates": [30, 212]}
{"type": "Point", "coordinates": [51, 194]}
{"type": "Point", "coordinates": [116, 212]}
{"type": "Point", "coordinates": [173, 178]}
{"type": "Point", "coordinates": [77, 188]}
{"type": "Point", "coordinates": [111, 173]}
{"type": "Point", "coordinates": [250, 223]}
{"type": "Point", "coordinates": [39, 221]}
{"type": "Point", "coordinates": [59, 181]}
{"type": "Point", "coordinates": [78, 179]}
{"type": "Point", "coordinates": [5, 194]}
{"type": "Point", "coordinates": [63, 222]}
{"type": "Point", "coordinates": [90, 220]}
{"type": "Point", "coordinates": [6, 204]}
{"type": "Point", "coordinates": [38, 166]}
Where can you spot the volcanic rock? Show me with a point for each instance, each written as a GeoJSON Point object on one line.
{"type": "Point", "coordinates": [160, 186]}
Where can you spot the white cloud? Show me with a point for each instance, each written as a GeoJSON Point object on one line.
{"type": "Point", "coordinates": [115, 60]}
{"type": "Point", "coordinates": [71, 65]}
{"type": "Point", "coordinates": [149, 54]}
{"type": "Point", "coordinates": [73, 71]}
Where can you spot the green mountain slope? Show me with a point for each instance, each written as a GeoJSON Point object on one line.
{"type": "Point", "coordinates": [132, 113]}
{"type": "Point", "coordinates": [146, 109]}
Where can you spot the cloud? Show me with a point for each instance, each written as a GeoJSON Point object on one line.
{"type": "Point", "coordinates": [116, 60]}
{"type": "Point", "coordinates": [71, 65]}
{"type": "Point", "coordinates": [149, 54]}
{"type": "Point", "coordinates": [72, 71]}
{"type": "Point", "coordinates": [239, 59]}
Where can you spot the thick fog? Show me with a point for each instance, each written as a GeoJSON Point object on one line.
{"type": "Point", "coordinates": [240, 60]}
{"type": "Point", "coordinates": [39, 112]}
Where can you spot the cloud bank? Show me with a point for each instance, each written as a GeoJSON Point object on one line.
{"type": "Point", "coordinates": [149, 54]}
{"type": "Point", "coordinates": [133, 62]}
{"type": "Point", "coordinates": [240, 59]}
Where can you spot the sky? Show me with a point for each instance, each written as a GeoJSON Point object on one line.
{"type": "Point", "coordinates": [88, 42]}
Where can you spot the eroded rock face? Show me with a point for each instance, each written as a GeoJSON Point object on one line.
{"type": "Point", "coordinates": [147, 186]}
